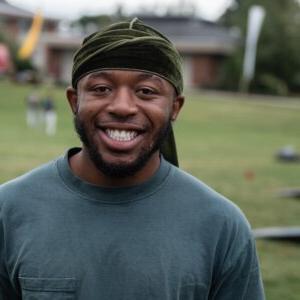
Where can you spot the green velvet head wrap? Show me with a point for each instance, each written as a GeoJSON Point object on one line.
{"type": "Point", "coordinates": [134, 46]}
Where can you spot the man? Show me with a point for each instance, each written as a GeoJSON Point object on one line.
{"type": "Point", "coordinates": [116, 219]}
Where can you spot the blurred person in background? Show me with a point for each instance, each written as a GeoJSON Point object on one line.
{"type": "Point", "coordinates": [116, 218]}
{"type": "Point", "coordinates": [50, 116]}
{"type": "Point", "coordinates": [33, 109]}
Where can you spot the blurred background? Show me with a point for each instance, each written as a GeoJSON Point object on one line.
{"type": "Point", "coordinates": [240, 127]}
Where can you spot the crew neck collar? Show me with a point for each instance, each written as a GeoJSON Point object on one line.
{"type": "Point", "coordinates": [111, 195]}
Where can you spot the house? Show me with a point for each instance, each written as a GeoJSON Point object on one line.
{"type": "Point", "coordinates": [203, 45]}
{"type": "Point", "coordinates": [16, 21]}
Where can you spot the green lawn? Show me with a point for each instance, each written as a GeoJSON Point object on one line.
{"type": "Point", "coordinates": [220, 139]}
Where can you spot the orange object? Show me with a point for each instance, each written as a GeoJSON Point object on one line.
{"type": "Point", "coordinates": [32, 37]}
{"type": "Point", "coordinates": [249, 175]}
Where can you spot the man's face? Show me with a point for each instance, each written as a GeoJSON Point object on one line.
{"type": "Point", "coordinates": [122, 117]}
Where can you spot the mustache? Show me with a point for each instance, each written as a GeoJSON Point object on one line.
{"type": "Point", "coordinates": [120, 119]}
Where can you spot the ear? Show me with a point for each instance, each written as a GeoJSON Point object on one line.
{"type": "Point", "coordinates": [72, 97]}
{"type": "Point", "coordinates": [177, 105]}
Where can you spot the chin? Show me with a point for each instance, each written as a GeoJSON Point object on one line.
{"type": "Point", "coordinates": [119, 169]}
{"type": "Point", "coordinates": [119, 166]}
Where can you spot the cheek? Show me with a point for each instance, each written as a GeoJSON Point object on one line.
{"type": "Point", "coordinates": [89, 109]}
{"type": "Point", "coordinates": [158, 120]}
{"type": "Point", "coordinates": [158, 113]}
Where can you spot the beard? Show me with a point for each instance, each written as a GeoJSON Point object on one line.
{"type": "Point", "coordinates": [113, 169]}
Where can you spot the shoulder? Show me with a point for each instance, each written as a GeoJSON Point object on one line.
{"type": "Point", "coordinates": [198, 191]}
{"type": "Point", "coordinates": [27, 184]}
{"type": "Point", "coordinates": [217, 217]}
{"type": "Point", "coordinates": [200, 199]}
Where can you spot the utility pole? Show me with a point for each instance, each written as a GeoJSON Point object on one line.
{"type": "Point", "coordinates": [256, 17]}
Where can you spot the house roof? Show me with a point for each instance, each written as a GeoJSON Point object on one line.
{"type": "Point", "coordinates": [61, 42]}
{"type": "Point", "coordinates": [193, 35]}
{"type": "Point", "coordinates": [190, 35]}
{"type": "Point", "coordinates": [7, 9]}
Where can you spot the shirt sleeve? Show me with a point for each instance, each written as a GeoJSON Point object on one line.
{"type": "Point", "coordinates": [241, 279]}
{"type": "Point", "coordinates": [6, 289]}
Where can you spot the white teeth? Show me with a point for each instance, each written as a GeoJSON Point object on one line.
{"type": "Point", "coordinates": [121, 135]}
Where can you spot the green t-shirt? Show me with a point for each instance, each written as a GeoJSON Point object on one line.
{"type": "Point", "coordinates": [171, 237]}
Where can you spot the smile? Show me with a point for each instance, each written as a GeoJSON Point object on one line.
{"type": "Point", "coordinates": [121, 135]}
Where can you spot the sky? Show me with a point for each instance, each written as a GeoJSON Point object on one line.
{"type": "Point", "coordinates": [70, 9]}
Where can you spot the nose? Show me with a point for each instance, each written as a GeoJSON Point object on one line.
{"type": "Point", "coordinates": [123, 103]}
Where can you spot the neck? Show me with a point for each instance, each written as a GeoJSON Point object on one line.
{"type": "Point", "coordinates": [84, 168]}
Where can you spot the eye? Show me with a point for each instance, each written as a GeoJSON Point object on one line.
{"type": "Point", "coordinates": [146, 92]}
{"type": "Point", "coordinates": [101, 89]}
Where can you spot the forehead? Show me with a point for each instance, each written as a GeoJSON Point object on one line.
{"type": "Point", "coordinates": [122, 75]}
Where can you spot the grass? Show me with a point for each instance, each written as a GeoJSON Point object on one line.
{"type": "Point", "coordinates": [228, 142]}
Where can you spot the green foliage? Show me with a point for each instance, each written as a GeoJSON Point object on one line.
{"type": "Point", "coordinates": [94, 22]}
{"type": "Point", "coordinates": [2, 37]}
{"type": "Point", "coordinates": [220, 140]}
{"type": "Point", "coordinates": [268, 83]}
{"type": "Point", "coordinates": [278, 47]}
{"type": "Point", "coordinates": [18, 64]}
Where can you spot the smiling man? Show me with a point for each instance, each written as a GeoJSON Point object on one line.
{"type": "Point", "coordinates": [122, 118]}
{"type": "Point", "coordinates": [117, 219]}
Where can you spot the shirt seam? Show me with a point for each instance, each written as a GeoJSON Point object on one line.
{"type": "Point", "coordinates": [85, 197]}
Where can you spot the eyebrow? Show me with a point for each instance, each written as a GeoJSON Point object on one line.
{"type": "Point", "coordinates": [99, 74]}
{"type": "Point", "coordinates": [147, 76]}
{"type": "Point", "coordinates": [141, 76]}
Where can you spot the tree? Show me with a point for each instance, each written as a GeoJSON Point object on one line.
{"type": "Point", "coordinates": [18, 64]}
{"type": "Point", "coordinates": [278, 60]}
